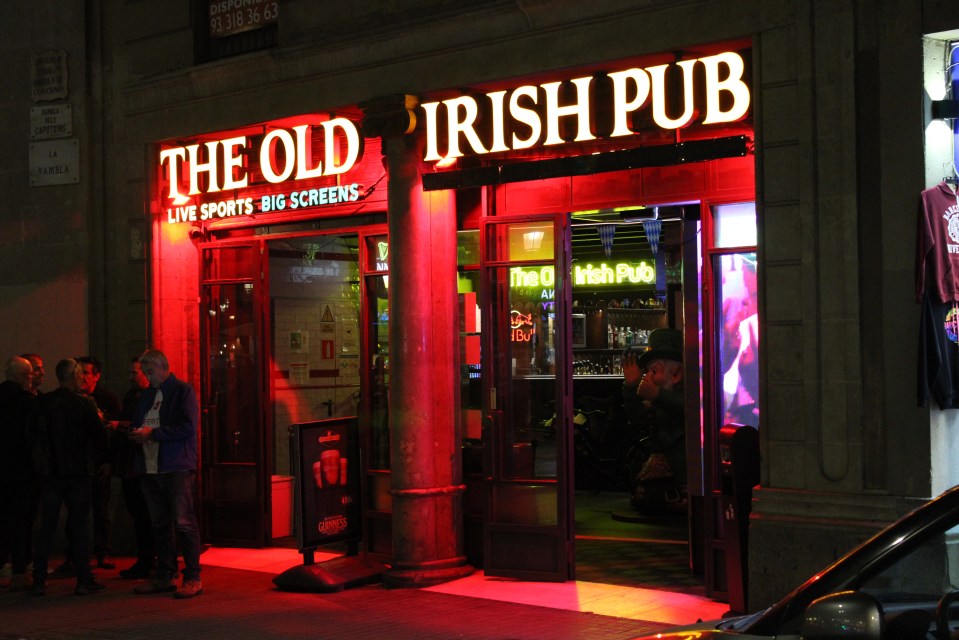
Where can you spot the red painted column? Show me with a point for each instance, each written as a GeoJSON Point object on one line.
{"type": "Point", "coordinates": [426, 479]}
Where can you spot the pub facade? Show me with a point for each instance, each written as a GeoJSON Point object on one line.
{"type": "Point", "coordinates": [455, 221]}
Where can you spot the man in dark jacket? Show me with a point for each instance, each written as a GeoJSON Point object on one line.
{"type": "Point", "coordinates": [18, 485]}
{"type": "Point", "coordinates": [65, 431]}
{"type": "Point", "coordinates": [653, 389]}
{"type": "Point", "coordinates": [166, 426]}
{"type": "Point", "coordinates": [123, 458]}
{"type": "Point", "coordinates": [109, 407]}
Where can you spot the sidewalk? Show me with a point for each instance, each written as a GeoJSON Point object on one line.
{"type": "Point", "coordinates": [240, 602]}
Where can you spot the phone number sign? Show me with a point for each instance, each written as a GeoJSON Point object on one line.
{"type": "Point", "coordinates": [228, 17]}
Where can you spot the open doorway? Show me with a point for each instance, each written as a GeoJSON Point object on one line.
{"type": "Point", "coordinates": [315, 347]}
{"type": "Point", "coordinates": [627, 283]}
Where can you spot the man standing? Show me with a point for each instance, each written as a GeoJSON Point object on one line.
{"type": "Point", "coordinates": [37, 362]}
{"type": "Point", "coordinates": [123, 458]}
{"type": "Point", "coordinates": [18, 492]}
{"type": "Point", "coordinates": [64, 431]}
{"type": "Point", "coordinates": [166, 426]}
{"type": "Point", "coordinates": [109, 407]}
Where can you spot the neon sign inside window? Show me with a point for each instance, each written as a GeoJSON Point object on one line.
{"type": "Point", "coordinates": [591, 275]}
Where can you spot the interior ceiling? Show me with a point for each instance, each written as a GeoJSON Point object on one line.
{"type": "Point", "coordinates": [629, 239]}
{"type": "Point", "coordinates": [629, 244]}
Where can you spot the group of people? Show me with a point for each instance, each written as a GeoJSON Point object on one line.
{"type": "Point", "coordinates": [64, 447]}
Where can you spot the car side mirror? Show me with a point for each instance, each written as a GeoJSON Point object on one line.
{"type": "Point", "coordinates": [851, 615]}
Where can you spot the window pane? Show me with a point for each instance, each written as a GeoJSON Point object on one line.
{"type": "Point", "coordinates": [471, 403]}
{"type": "Point", "coordinates": [735, 225]}
{"type": "Point", "coordinates": [524, 348]}
{"type": "Point", "coordinates": [739, 338]}
{"type": "Point", "coordinates": [521, 241]}
{"type": "Point", "coordinates": [467, 247]}
{"type": "Point", "coordinates": [379, 318]}
{"type": "Point", "coordinates": [378, 253]}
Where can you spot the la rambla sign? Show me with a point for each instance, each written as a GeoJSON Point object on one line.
{"type": "Point", "coordinates": [534, 115]}
{"type": "Point", "coordinates": [283, 155]}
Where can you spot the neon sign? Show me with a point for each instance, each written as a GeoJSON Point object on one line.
{"type": "Point", "coordinates": [620, 273]}
{"type": "Point", "coordinates": [517, 118]}
{"type": "Point", "coordinates": [382, 256]}
{"type": "Point", "coordinates": [521, 326]}
{"type": "Point", "coordinates": [535, 277]}
{"type": "Point", "coordinates": [599, 275]}
{"type": "Point", "coordinates": [283, 154]}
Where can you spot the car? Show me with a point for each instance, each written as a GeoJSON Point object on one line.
{"type": "Point", "coordinates": [901, 584]}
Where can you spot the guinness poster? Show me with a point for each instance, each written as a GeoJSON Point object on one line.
{"type": "Point", "coordinates": [327, 490]}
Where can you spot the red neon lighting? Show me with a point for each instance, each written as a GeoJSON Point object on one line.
{"type": "Point", "coordinates": [519, 320]}
{"type": "Point", "coordinates": [280, 167]}
{"type": "Point", "coordinates": [521, 326]}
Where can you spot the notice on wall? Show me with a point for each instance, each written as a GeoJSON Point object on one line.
{"type": "Point", "coordinates": [51, 121]}
{"type": "Point", "coordinates": [300, 341]}
{"type": "Point", "coordinates": [299, 373]}
{"type": "Point", "coordinates": [54, 162]}
{"type": "Point", "coordinates": [229, 17]}
{"type": "Point", "coordinates": [48, 75]}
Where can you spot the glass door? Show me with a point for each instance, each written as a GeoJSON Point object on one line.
{"type": "Point", "coordinates": [234, 448]}
{"type": "Point", "coordinates": [731, 344]}
{"type": "Point", "coordinates": [527, 377]}
{"type": "Point", "coordinates": [374, 419]}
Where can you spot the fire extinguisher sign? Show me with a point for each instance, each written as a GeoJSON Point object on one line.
{"type": "Point", "coordinates": [326, 350]}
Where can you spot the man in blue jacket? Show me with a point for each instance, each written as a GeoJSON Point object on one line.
{"type": "Point", "coordinates": [166, 427]}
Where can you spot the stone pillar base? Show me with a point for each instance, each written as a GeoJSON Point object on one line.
{"type": "Point", "coordinates": [427, 574]}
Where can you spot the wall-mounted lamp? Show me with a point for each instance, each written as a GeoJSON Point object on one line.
{"type": "Point", "coordinates": [197, 232]}
{"type": "Point", "coordinates": [945, 109]}
{"type": "Point", "coordinates": [532, 240]}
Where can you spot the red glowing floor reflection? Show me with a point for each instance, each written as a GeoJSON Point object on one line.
{"type": "Point", "coordinates": [605, 599]}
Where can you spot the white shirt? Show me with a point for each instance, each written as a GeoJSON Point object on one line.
{"type": "Point", "coordinates": [151, 448]}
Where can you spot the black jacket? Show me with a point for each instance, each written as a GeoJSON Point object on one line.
{"type": "Point", "coordinates": [16, 404]}
{"type": "Point", "coordinates": [67, 434]}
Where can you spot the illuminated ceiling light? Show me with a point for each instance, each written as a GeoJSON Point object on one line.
{"type": "Point", "coordinates": [532, 240]}
{"type": "Point", "coordinates": [632, 214]}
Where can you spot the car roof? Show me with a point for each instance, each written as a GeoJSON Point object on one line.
{"type": "Point", "coordinates": [867, 559]}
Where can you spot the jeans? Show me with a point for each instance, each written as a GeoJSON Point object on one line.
{"type": "Point", "coordinates": [74, 491]}
{"type": "Point", "coordinates": [169, 498]}
{"type": "Point", "coordinates": [142, 527]}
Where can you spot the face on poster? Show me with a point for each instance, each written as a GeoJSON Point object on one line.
{"type": "Point", "coordinates": [331, 469]}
